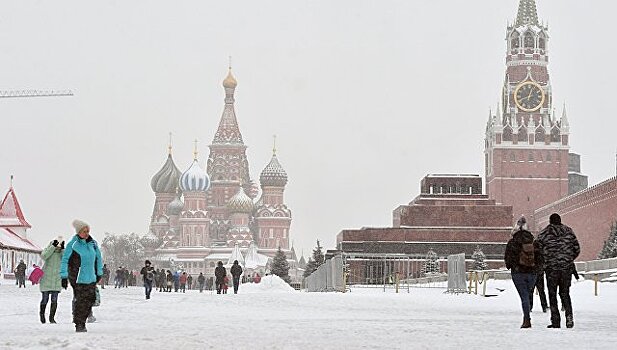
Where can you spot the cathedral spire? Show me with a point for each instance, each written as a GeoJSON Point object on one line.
{"type": "Point", "coordinates": [228, 131]}
{"type": "Point", "coordinates": [527, 13]}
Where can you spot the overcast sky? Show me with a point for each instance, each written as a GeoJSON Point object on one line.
{"type": "Point", "coordinates": [365, 97]}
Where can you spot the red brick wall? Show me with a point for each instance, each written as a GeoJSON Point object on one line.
{"type": "Point", "coordinates": [589, 213]}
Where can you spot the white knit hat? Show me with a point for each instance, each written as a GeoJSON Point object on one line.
{"type": "Point", "coordinates": [78, 225]}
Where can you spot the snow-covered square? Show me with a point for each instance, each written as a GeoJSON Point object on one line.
{"type": "Point", "coordinates": [270, 315]}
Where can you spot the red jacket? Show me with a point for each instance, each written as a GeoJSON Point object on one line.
{"type": "Point", "coordinates": [183, 279]}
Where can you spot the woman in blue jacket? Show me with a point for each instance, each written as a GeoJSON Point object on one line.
{"type": "Point", "coordinates": [82, 266]}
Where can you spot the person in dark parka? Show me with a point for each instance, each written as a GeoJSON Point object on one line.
{"type": "Point", "coordinates": [220, 272]}
{"type": "Point", "coordinates": [560, 247]}
{"type": "Point", "coordinates": [236, 272]}
{"type": "Point", "coordinates": [522, 257]}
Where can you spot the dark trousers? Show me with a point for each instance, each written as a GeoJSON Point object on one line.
{"type": "Point", "coordinates": [21, 281]}
{"type": "Point", "coordinates": [524, 283]}
{"type": "Point", "coordinates": [201, 287]}
{"type": "Point", "coordinates": [219, 286]}
{"type": "Point", "coordinates": [236, 281]}
{"type": "Point", "coordinates": [559, 279]}
{"type": "Point", "coordinates": [46, 295]}
{"type": "Point", "coordinates": [148, 286]}
{"type": "Point", "coordinates": [540, 288]}
{"type": "Point", "coordinates": [84, 295]}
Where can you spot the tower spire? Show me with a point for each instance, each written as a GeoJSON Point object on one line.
{"type": "Point", "coordinates": [527, 13]}
{"type": "Point", "coordinates": [195, 150]}
{"type": "Point", "coordinates": [169, 146]}
{"type": "Point", "coordinates": [274, 145]}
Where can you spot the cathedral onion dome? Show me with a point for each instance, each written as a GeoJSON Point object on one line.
{"type": "Point", "coordinates": [194, 179]}
{"type": "Point", "coordinates": [166, 179]}
{"type": "Point", "coordinates": [240, 202]}
{"type": "Point", "coordinates": [175, 206]}
{"type": "Point", "coordinates": [230, 82]}
{"type": "Point", "coordinates": [273, 174]}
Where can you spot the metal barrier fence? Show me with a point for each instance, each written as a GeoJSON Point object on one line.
{"type": "Point", "coordinates": [328, 277]}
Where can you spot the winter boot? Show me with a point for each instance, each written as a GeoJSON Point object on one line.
{"type": "Point", "coordinates": [553, 326]}
{"type": "Point", "coordinates": [52, 312]}
{"type": "Point", "coordinates": [42, 312]}
{"type": "Point", "coordinates": [91, 318]}
{"type": "Point", "coordinates": [526, 323]}
{"type": "Point", "coordinates": [569, 322]}
{"type": "Point", "coordinates": [80, 328]}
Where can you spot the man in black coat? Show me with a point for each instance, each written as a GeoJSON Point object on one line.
{"type": "Point", "coordinates": [20, 274]}
{"type": "Point", "coordinates": [149, 274]}
{"type": "Point", "coordinates": [236, 272]}
{"type": "Point", "coordinates": [220, 272]}
{"type": "Point", "coordinates": [560, 248]}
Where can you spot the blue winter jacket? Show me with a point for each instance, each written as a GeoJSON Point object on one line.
{"type": "Point", "coordinates": [83, 257]}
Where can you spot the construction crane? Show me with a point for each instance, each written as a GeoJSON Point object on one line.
{"type": "Point", "coordinates": [34, 93]}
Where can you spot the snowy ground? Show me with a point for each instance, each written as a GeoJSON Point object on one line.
{"type": "Point", "coordinates": [268, 317]}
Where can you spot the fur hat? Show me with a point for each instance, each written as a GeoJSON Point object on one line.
{"type": "Point", "coordinates": [79, 225]}
{"type": "Point", "coordinates": [521, 224]}
{"type": "Point", "coordinates": [555, 219]}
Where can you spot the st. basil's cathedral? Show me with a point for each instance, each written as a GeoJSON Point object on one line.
{"type": "Point", "coordinates": [202, 216]}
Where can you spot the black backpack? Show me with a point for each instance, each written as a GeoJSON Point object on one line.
{"type": "Point", "coordinates": [526, 256]}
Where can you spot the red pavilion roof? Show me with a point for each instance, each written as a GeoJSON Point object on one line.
{"type": "Point", "coordinates": [10, 211]}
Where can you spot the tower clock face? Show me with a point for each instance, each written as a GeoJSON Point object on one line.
{"type": "Point", "coordinates": [529, 96]}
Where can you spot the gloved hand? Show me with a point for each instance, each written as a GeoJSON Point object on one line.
{"type": "Point", "coordinates": [62, 245]}
{"type": "Point", "coordinates": [54, 242]}
{"type": "Point", "coordinates": [65, 283]}
{"type": "Point", "coordinates": [98, 279]}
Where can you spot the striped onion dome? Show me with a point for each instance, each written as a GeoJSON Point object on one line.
{"type": "Point", "coordinates": [194, 179]}
{"type": "Point", "coordinates": [273, 174]}
{"type": "Point", "coordinates": [240, 202]}
{"type": "Point", "coordinates": [175, 207]}
{"type": "Point", "coordinates": [166, 179]}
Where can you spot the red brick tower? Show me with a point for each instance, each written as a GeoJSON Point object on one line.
{"type": "Point", "coordinates": [526, 146]}
{"type": "Point", "coordinates": [272, 216]}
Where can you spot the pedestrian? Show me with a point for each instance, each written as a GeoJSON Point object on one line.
{"type": "Point", "coordinates": [51, 283]}
{"type": "Point", "coordinates": [522, 256]}
{"type": "Point", "coordinates": [236, 272]}
{"type": "Point", "coordinates": [148, 273]}
{"type": "Point", "coordinates": [189, 281]}
{"type": "Point", "coordinates": [225, 284]}
{"type": "Point", "coordinates": [82, 266]}
{"type": "Point", "coordinates": [257, 278]}
{"type": "Point", "coordinates": [220, 273]}
{"type": "Point", "coordinates": [105, 279]}
{"type": "Point", "coordinates": [182, 279]}
{"type": "Point", "coordinates": [20, 273]}
{"type": "Point", "coordinates": [176, 277]}
{"type": "Point", "coordinates": [169, 280]}
{"type": "Point", "coordinates": [119, 276]}
{"type": "Point", "coordinates": [201, 280]}
{"type": "Point", "coordinates": [560, 248]}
